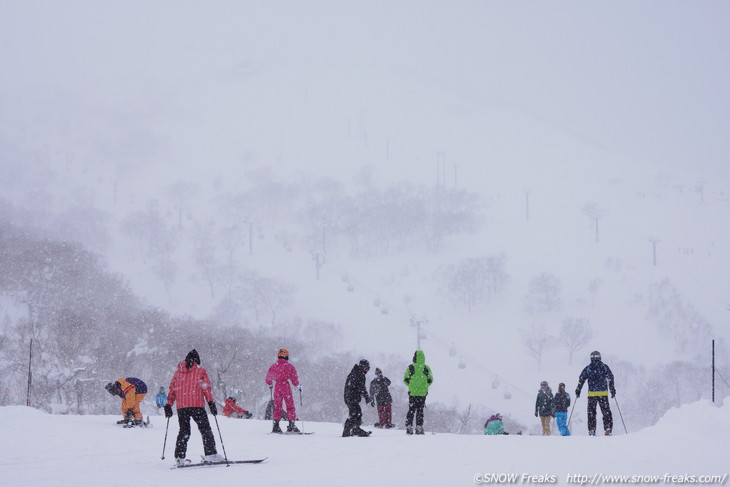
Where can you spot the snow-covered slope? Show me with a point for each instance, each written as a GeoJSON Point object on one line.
{"type": "Point", "coordinates": [41, 450]}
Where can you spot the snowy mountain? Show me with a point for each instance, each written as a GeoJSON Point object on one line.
{"type": "Point", "coordinates": [311, 150]}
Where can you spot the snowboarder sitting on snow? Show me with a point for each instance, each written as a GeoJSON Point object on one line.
{"type": "Point", "coordinates": [282, 372]}
{"type": "Point", "coordinates": [232, 410]}
{"type": "Point", "coordinates": [418, 378]}
{"type": "Point", "coordinates": [544, 407]}
{"type": "Point", "coordinates": [380, 394]}
{"type": "Point", "coordinates": [132, 391]}
{"type": "Point", "coordinates": [600, 381]}
{"type": "Point", "coordinates": [354, 390]}
{"type": "Point", "coordinates": [494, 425]}
{"type": "Point", "coordinates": [190, 389]}
{"type": "Point", "coordinates": [561, 402]}
{"type": "Point", "coordinates": [161, 398]}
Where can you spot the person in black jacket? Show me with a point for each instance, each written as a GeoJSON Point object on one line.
{"type": "Point", "coordinates": [544, 407]}
{"type": "Point", "coordinates": [600, 382]}
{"type": "Point", "coordinates": [381, 395]}
{"type": "Point", "coordinates": [354, 390]}
{"type": "Point", "coordinates": [561, 403]}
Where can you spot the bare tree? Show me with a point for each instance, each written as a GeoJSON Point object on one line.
{"type": "Point", "coordinates": [204, 256]}
{"type": "Point", "coordinates": [536, 341]}
{"type": "Point", "coordinates": [575, 334]}
{"type": "Point", "coordinates": [593, 286]}
{"type": "Point", "coordinates": [475, 279]}
{"type": "Point", "coordinates": [543, 294]}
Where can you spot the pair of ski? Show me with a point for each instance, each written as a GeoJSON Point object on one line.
{"type": "Point", "coordinates": [212, 464]}
{"type": "Point", "coordinates": [130, 424]}
{"type": "Point", "coordinates": [285, 433]}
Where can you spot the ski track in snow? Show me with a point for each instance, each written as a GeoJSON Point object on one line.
{"type": "Point", "coordinates": [39, 449]}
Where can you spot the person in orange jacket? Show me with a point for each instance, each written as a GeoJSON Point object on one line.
{"type": "Point", "coordinates": [232, 410]}
{"type": "Point", "coordinates": [132, 390]}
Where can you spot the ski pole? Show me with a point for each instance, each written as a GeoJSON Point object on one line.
{"type": "Point", "coordinates": [165, 443]}
{"type": "Point", "coordinates": [215, 416]}
{"type": "Point", "coordinates": [301, 406]}
{"type": "Point", "coordinates": [571, 413]}
{"type": "Point", "coordinates": [620, 415]}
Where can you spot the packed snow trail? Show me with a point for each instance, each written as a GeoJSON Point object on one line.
{"type": "Point", "coordinates": [41, 450]}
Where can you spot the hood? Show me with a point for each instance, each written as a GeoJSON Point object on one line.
{"type": "Point", "coordinates": [419, 357]}
{"type": "Point", "coordinates": [183, 367]}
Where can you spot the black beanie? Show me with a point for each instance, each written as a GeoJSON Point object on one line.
{"type": "Point", "coordinates": [191, 357]}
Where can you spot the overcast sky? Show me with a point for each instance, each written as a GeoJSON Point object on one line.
{"type": "Point", "coordinates": [641, 79]}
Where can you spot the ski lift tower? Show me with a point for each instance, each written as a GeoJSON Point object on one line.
{"type": "Point", "coordinates": [416, 323]}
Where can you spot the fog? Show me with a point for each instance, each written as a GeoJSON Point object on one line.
{"type": "Point", "coordinates": [511, 176]}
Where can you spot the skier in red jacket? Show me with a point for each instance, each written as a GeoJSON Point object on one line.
{"type": "Point", "coordinates": [282, 372]}
{"type": "Point", "coordinates": [232, 410]}
{"type": "Point", "coordinates": [190, 388]}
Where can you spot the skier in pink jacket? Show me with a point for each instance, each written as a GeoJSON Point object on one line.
{"type": "Point", "coordinates": [282, 372]}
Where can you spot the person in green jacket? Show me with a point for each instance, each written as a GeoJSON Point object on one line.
{"type": "Point", "coordinates": [418, 378]}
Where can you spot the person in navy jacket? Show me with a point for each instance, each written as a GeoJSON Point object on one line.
{"type": "Point", "coordinates": [600, 382]}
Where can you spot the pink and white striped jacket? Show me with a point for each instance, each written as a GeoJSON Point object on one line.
{"type": "Point", "coordinates": [190, 388]}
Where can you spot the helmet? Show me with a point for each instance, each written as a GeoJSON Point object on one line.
{"type": "Point", "coordinates": [364, 364]}
{"type": "Point", "coordinates": [283, 353]}
{"type": "Point", "coordinates": [595, 356]}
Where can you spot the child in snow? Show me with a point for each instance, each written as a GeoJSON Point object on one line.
{"type": "Point", "coordinates": [132, 390]}
{"type": "Point", "coordinates": [282, 373]}
{"type": "Point", "coordinates": [561, 403]}
{"type": "Point", "coordinates": [161, 398]}
{"type": "Point", "coordinates": [494, 425]}
{"type": "Point", "coordinates": [544, 407]}
{"type": "Point", "coordinates": [380, 394]}
{"type": "Point", "coordinates": [232, 410]}
{"type": "Point", "coordinates": [190, 389]}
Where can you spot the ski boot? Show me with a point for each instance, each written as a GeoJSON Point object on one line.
{"type": "Point", "coordinates": [591, 432]}
{"type": "Point", "coordinates": [292, 428]}
{"type": "Point", "coordinates": [277, 428]}
{"type": "Point", "coordinates": [214, 458]}
{"type": "Point", "coordinates": [409, 430]}
{"type": "Point", "coordinates": [608, 432]}
{"type": "Point", "coordinates": [182, 461]}
{"type": "Point", "coordinates": [123, 421]}
{"type": "Point", "coordinates": [419, 430]}
{"type": "Point", "coordinates": [361, 432]}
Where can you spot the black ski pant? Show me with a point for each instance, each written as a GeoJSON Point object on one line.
{"type": "Point", "coordinates": [605, 411]}
{"type": "Point", "coordinates": [415, 407]}
{"type": "Point", "coordinates": [354, 418]}
{"type": "Point", "coordinates": [201, 419]}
